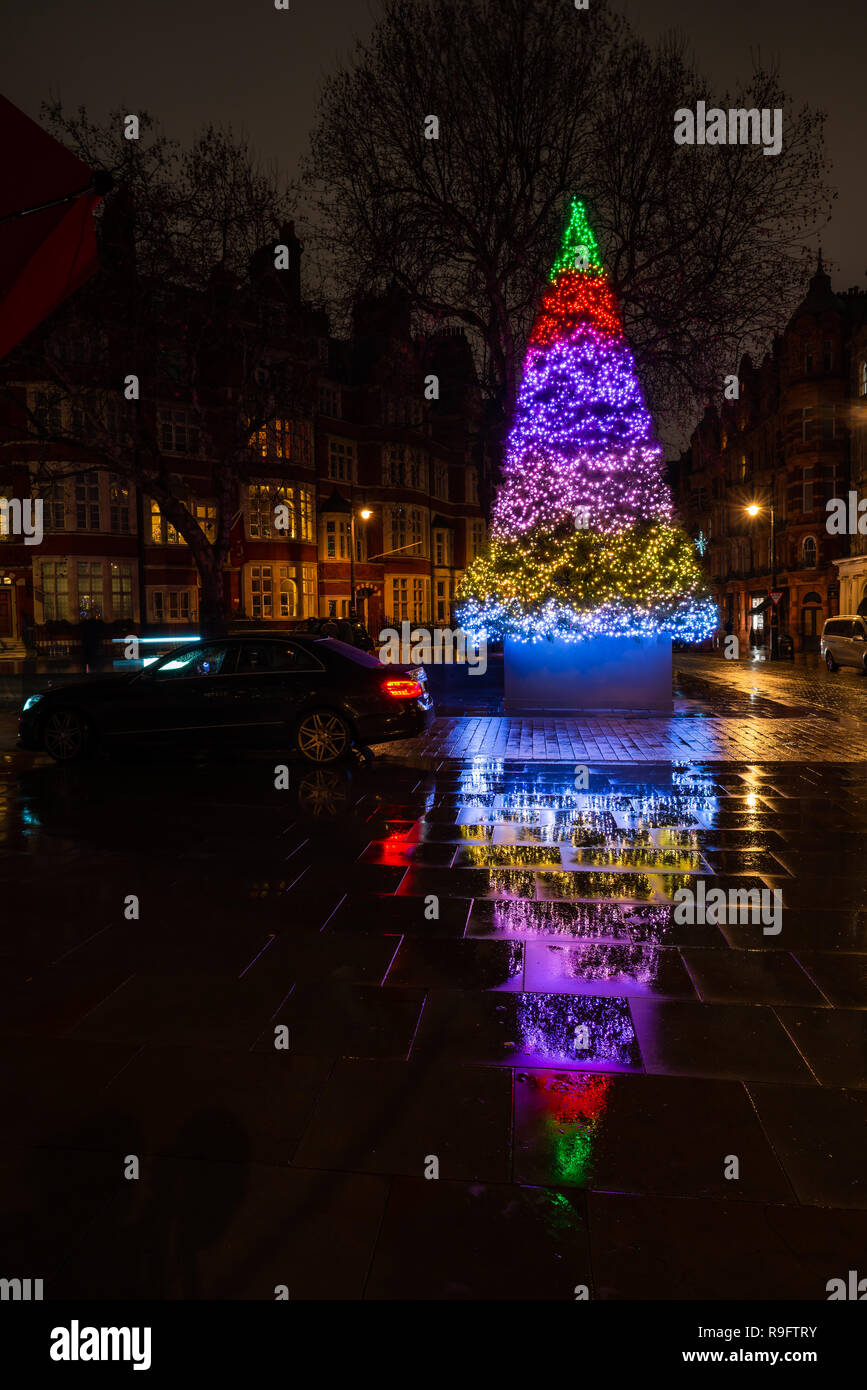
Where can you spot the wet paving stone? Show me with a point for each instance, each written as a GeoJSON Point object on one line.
{"type": "Point", "coordinates": [671, 1248]}
{"type": "Point", "coordinates": [841, 976]}
{"type": "Point", "coordinates": [650, 1134]}
{"type": "Point", "coordinates": [194, 1104]}
{"type": "Point", "coordinates": [462, 1239]}
{"type": "Point", "coordinates": [431, 964]}
{"type": "Point", "coordinates": [410, 915]}
{"type": "Point", "coordinates": [304, 957]}
{"type": "Point", "coordinates": [508, 857]}
{"type": "Point", "coordinates": [200, 1010]}
{"type": "Point", "coordinates": [606, 970]}
{"type": "Point", "coordinates": [347, 1021]}
{"type": "Point", "coordinates": [723, 1040]}
{"type": "Point", "coordinates": [750, 977]}
{"type": "Point", "coordinates": [527, 1030]}
{"type": "Point", "coordinates": [576, 921]}
{"type": "Point", "coordinates": [800, 929]}
{"type": "Point", "coordinates": [229, 1230]}
{"type": "Point", "coordinates": [744, 861]}
{"type": "Point", "coordinates": [392, 1116]}
{"type": "Point", "coordinates": [834, 1044]}
{"type": "Point", "coordinates": [819, 1136]}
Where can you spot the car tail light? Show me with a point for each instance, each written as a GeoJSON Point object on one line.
{"type": "Point", "coordinates": [402, 689]}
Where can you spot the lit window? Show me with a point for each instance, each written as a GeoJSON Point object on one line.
{"type": "Point", "coordinates": [341, 460]}
{"type": "Point", "coordinates": [121, 590]}
{"type": "Point", "coordinates": [55, 595]}
{"type": "Point", "coordinates": [90, 598]}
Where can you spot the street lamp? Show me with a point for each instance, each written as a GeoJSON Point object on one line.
{"type": "Point", "coordinates": [753, 509]}
{"type": "Point", "coordinates": [365, 515]}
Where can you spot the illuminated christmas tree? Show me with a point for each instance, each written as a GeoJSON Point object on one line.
{"type": "Point", "coordinates": [583, 537]}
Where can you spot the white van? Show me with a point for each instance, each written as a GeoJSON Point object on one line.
{"type": "Point", "coordinates": [844, 642]}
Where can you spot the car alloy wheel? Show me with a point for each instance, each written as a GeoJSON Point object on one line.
{"type": "Point", "coordinates": [323, 737]}
{"type": "Point", "coordinates": [65, 735]}
{"type": "Point", "coordinates": [830, 662]}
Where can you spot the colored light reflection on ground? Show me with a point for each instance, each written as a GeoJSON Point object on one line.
{"type": "Point", "coordinates": [574, 1110]}
{"type": "Point", "coordinates": [575, 1030]}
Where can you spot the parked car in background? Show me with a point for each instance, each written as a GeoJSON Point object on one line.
{"type": "Point", "coordinates": [314, 694]}
{"type": "Point", "coordinates": [844, 642]}
{"type": "Point", "coordinates": [348, 630]}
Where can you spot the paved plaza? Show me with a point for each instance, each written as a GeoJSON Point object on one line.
{"type": "Point", "coordinates": [749, 710]}
{"type": "Point", "coordinates": [435, 1031]}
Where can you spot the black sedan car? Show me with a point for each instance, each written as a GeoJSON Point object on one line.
{"type": "Point", "coordinates": [314, 694]}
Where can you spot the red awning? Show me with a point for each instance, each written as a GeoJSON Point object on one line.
{"type": "Point", "coordinates": [48, 253]}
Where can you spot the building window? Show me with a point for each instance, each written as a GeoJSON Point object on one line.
{"type": "Point", "coordinates": [442, 547]}
{"type": "Point", "coordinates": [829, 422]}
{"type": "Point", "coordinates": [341, 460]}
{"type": "Point", "coordinates": [419, 606]}
{"type": "Point", "coordinates": [206, 516]}
{"type": "Point", "coordinates": [808, 357]}
{"type": "Point", "coordinates": [55, 592]}
{"type": "Point", "coordinates": [263, 499]}
{"type": "Point", "coordinates": [337, 539]}
{"type": "Point", "coordinates": [49, 416]}
{"type": "Point", "coordinates": [807, 489]}
{"type": "Point", "coordinates": [54, 508]}
{"type": "Point", "coordinates": [162, 531]}
{"type": "Point", "coordinates": [442, 601]}
{"type": "Point", "coordinates": [87, 502]}
{"type": "Point", "coordinates": [397, 519]}
{"type": "Point", "coordinates": [308, 590]}
{"type": "Point", "coordinates": [399, 599]}
{"type": "Point", "coordinates": [409, 597]}
{"type": "Point", "coordinates": [477, 536]}
{"type": "Point", "coordinates": [288, 440]}
{"type": "Point", "coordinates": [403, 410]}
{"type": "Point", "coordinates": [304, 512]}
{"type": "Point", "coordinates": [118, 504]}
{"type": "Point", "coordinates": [472, 485]}
{"type": "Point", "coordinates": [121, 590]}
{"type": "Point", "coordinates": [178, 433]}
{"type": "Point", "coordinates": [806, 424]}
{"type": "Point", "coordinates": [273, 592]}
{"type": "Point", "coordinates": [330, 402]}
{"type": "Point", "coordinates": [404, 468]}
{"type": "Point", "coordinates": [173, 606]}
{"type": "Point", "coordinates": [827, 355]}
{"type": "Point", "coordinates": [862, 377]}
{"type": "Point", "coordinates": [90, 598]}
{"type": "Point", "coordinates": [809, 552]}
{"type": "Point", "coordinates": [441, 481]}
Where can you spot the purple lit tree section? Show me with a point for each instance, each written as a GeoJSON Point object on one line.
{"type": "Point", "coordinates": [583, 538]}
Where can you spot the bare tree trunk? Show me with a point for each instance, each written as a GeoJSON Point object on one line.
{"type": "Point", "coordinates": [212, 608]}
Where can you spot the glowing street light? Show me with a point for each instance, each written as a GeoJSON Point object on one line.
{"type": "Point", "coordinates": [753, 509]}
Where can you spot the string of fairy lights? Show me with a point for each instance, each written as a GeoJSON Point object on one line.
{"type": "Point", "coordinates": [583, 538]}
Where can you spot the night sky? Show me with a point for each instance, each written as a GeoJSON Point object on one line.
{"type": "Point", "coordinates": [240, 61]}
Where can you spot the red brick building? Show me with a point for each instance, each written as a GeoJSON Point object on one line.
{"type": "Point", "coordinates": [783, 448]}
{"type": "Point", "coordinates": [376, 473]}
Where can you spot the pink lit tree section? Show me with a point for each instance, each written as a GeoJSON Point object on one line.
{"type": "Point", "coordinates": [583, 537]}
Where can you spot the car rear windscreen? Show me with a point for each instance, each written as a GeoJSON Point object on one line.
{"type": "Point", "coordinates": [352, 653]}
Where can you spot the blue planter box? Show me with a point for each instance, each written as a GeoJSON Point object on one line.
{"type": "Point", "coordinates": [602, 673]}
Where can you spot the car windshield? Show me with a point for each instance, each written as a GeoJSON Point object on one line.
{"type": "Point", "coordinates": [193, 661]}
